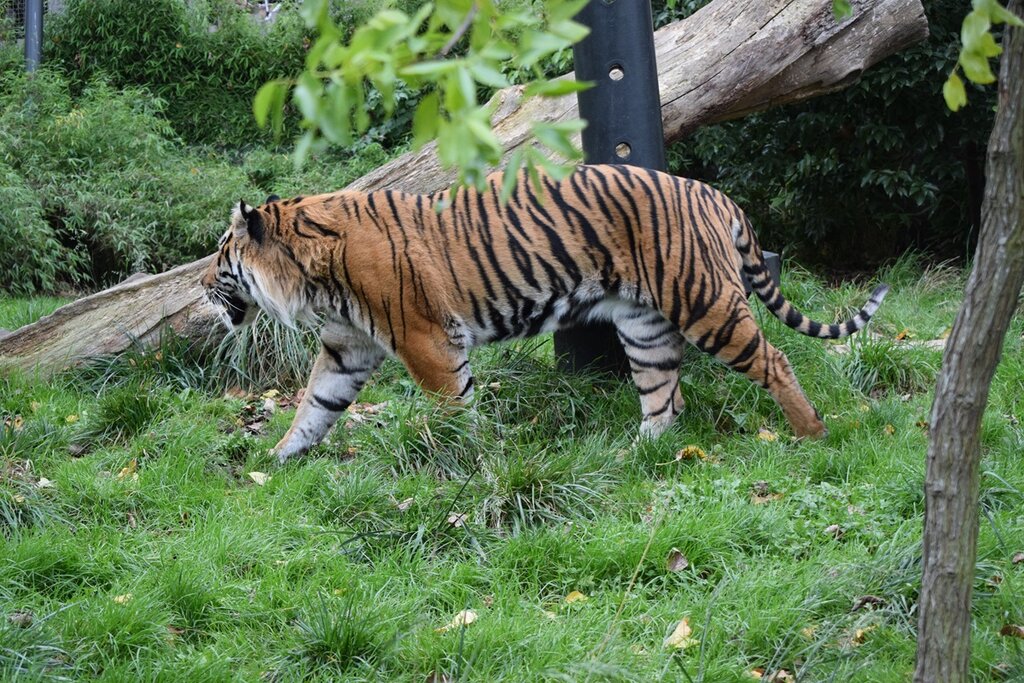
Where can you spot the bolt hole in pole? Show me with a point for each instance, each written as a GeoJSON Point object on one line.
{"type": "Point", "coordinates": [616, 73]}
{"type": "Point", "coordinates": [623, 150]}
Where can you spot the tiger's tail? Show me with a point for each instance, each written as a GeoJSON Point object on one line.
{"type": "Point", "coordinates": [756, 270]}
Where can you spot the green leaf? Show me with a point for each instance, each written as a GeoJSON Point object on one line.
{"type": "Point", "coordinates": [954, 93]}
{"type": "Point", "coordinates": [564, 9]}
{"type": "Point", "coordinates": [315, 13]}
{"type": "Point", "coordinates": [488, 75]}
{"type": "Point", "coordinates": [569, 30]}
{"type": "Point", "coordinates": [976, 67]}
{"type": "Point", "coordinates": [426, 119]}
{"type": "Point", "coordinates": [556, 139]}
{"type": "Point", "coordinates": [269, 102]}
{"type": "Point", "coordinates": [841, 9]}
{"type": "Point", "coordinates": [1001, 15]}
{"type": "Point", "coordinates": [307, 96]}
{"type": "Point", "coordinates": [336, 118]}
{"type": "Point", "coordinates": [976, 24]}
{"type": "Point", "coordinates": [303, 147]}
{"type": "Point", "coordinates": [431, 69]}
{"type": "Point", "coordinates": [556, 88]}
{"type": "Point", "coordinates": [988, 47]}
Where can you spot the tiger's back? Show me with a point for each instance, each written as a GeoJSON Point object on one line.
{"type": "Point", "coordinates": [658, 256]}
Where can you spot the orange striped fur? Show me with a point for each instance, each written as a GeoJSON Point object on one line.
{"type": "Point", "coordinates": [387, 273]}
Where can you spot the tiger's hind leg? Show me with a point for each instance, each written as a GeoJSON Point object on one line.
{"type": "Point", "coordinates": [347, 359]}
{"type": "Point", "coordinates": [654, 348]}
{"type": "Point", "coordinates": [729, 332]}
{"type": "Point", "coordinates": [439, 366]}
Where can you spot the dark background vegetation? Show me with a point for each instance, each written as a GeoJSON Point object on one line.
{"type": "Point", "coordinates": [125, 152]}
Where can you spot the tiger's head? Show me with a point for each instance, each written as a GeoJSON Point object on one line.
{"type": "Point", "coordinates": [249, 271]}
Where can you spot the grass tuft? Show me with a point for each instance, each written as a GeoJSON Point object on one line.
{"type": "Point", "coordinates": [338, 634]}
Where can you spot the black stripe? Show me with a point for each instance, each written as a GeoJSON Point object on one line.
{"type": "Point", "coordinates": [332, 405]}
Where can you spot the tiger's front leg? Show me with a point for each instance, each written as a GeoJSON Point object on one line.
{"type": "Point", "coordinates": [347, 359]}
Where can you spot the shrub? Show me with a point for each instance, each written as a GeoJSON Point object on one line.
{"type": "Point", "coordinates": [33, 258]}
{"type": "Point", "coordinates": [205, 59]}
{"type": "Point", "coordinates": [858, 176]}
{"type": "Point", "coordinates": [99, 187]}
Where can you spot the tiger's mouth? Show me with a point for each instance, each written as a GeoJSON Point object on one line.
{"type": "Point", "coordinates": [237, 311]}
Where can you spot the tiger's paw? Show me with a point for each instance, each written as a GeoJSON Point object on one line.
{"type": "Point", "coordinates": [287, 448]}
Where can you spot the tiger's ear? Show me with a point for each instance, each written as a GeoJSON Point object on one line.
{"type": "Point", "coordinates": [246, 221]}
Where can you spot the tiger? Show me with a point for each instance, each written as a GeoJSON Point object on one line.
{"type": "Point", "coordinates": [426, 277]}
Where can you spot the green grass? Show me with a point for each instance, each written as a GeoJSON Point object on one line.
{"type": "Point", "coordinates": [153, 555]}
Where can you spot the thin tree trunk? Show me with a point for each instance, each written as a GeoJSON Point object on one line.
{"type": "Point", "coordinates": [973, 351]}
{"type": "Point", "coordinates": [729, 59]}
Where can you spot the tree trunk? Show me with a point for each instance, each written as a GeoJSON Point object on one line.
{"type": "Point", "coordinates": [972, 353]}
{"type": "Point", "coordinates": [731, 58]}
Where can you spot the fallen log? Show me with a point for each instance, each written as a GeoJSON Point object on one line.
{"type": "Point", "coordinates": [731, 58]}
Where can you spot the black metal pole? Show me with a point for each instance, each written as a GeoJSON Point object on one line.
{"type": "Point", "coordinates": [623, 115]}
{"type": "Point", "coordinates": [33, 34]}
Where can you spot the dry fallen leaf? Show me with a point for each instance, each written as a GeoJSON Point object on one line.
{"type": "Point", "coordinates": [835, 531]}
{"type": "Point", "coordinates": [549, 614]}
{"type": "Point", "coordinates": [71, 419]}
{"type": "Point", "coordinates": [757, 672]}
{"type": "Point", "coordinates": [889, 429]}
{"type": "Point", "coordinates": [123, 599]}
{"type": "Point", "coordinates": [35, 405]}
{"type": "Point", "coordinates": [809, 631]}
{"type": "Point", "coordinates": [44, 483]}
{"type": "Point", "coordinates": [260, 478]}
{"type": "Point", "coordinates": [405, 504]}
{"type": "Point", "coordinates": [130, 471]}
{"type": "Point", "coordinates": [1018, 558]}
{"type": "Point", "coordinates": [435, 677]}
{"type": "Point", "coordinates": [761, 500]}
{"type": "Point", "coordinates": [1012, 631]}
{"type": "Point", "coordinates": [235, 392]}
{"type": "Point", "coordinates": [19, 499]}
{"type": "Point", "coordinates": [903, 334]}
{"type": "Point", "coordinates": [463, 618]}
{"type": "Point", "coordinates": [575, 596]}
{"type": "Point", "coordinates": [691, 452]}
{"type": "Point", "coordinates": [272, 394]}
{"type": "Point", "coordinates": [780, 676]}
{"type": "Point", "coordinates": [676, 562]}
{"type": "Point", "coordinates": [861, 634]}
{"type": "Point", "coordinates": [457, 519]}
{"type": "Point", "coordinates": [680, 638]}
{"type": "Point", "coordinates": [767, 435]}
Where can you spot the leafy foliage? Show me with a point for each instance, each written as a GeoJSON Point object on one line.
{"type": "Point", "coordinates": [204, 59]}
{"type": "Point", "coordinates": [420, 51]}
{"type": "Point", "coordinates": [854, 178]}
{"type": "Point", "coordinates": [98, 186]}
{"type": "Point", "coordinates": [978, 45]}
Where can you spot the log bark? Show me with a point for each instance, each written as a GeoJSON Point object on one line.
{"type": "Point", "coordinates": [731, 58]}
{"type": "Point", "coordinates": [972, 354]}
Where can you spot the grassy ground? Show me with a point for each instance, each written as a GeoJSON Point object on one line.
{"type": "Point", "coordinates": [138, 545]}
